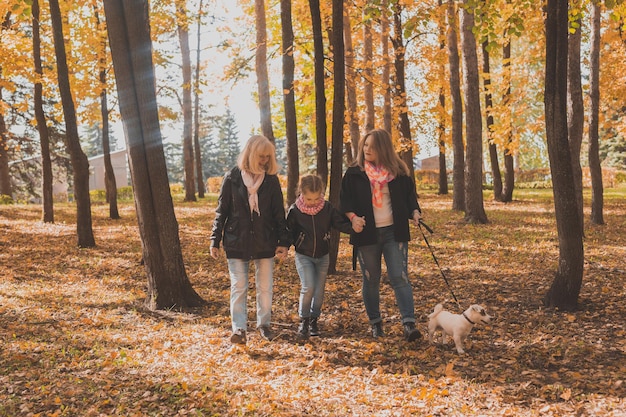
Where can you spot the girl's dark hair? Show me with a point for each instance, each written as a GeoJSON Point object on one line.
{"type": "Point", "coordinates": [311, 183]}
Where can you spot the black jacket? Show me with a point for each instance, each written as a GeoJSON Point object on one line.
{"type": "Point", "coordinates": [356, 196]}
{"type": "Point", "coordinates": [310, 234]}
{"type": "Point", "coordinates": [246, 235]}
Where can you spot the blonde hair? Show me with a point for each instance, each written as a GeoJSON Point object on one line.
{"type": "Point", "coordinates": [380, 141]}
{"type": "Point", "coordinates": [257, 145]}
{"type": "Point", "coordinates": [311, 183]}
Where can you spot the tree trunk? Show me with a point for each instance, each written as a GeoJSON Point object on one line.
{"type": "Point", "coordinates": [336, 167]}
{"type": "Point", "coordinates": [575, 114]}
{"type": "Point", "coordinates": [131, 49]}
{"type": "Point", "coordinates": [386, 70]}
{"type": "Point", "coordinates": [183, 38]}
{"type": "Point", "coordinates": [5, 178]}
{"type": "Point", "coordinates": [458, 148]}
{"type": "Point", "coordinates": [80, 165]}
{"type": "Point", "coordinates": [353, 113]}
{"type": "Point", "coordinates": [509, 168]}
{"type": "Point", "coordinates": [441, 130]}
{"type": "Point", "coordinates": [493, 150]}
{"type": "Point", "coordinates": [597, 188]}
{"type": "Point", "coordinates": [565, 288]}
{"type": "Point", "coordinates": [42, 126]}
{"type": "Point", "coordinates": [196, 112]}
{"type": "Point", "coordinates": [110, 182]}
{"type": "Point", "coordinates": [265, 106]}
{"type": "Point", "coordinates": [474, 209]}
{"type": "Point", "coordinates": [368, 75]}
{"type": "Point", "coordinates": [406, 142]}
{"type": "Point", "coordinates": [320, 91]}
{"type": "Point", "coordinates": [291, 126]}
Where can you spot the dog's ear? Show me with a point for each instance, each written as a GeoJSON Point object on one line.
{"type": "Point", "coordinates": [479, 309]}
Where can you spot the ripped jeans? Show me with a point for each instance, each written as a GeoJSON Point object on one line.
{"type": "Point", "coordinates": [396, 259]}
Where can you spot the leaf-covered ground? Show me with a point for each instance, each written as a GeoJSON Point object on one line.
{"type": "Point", "coordinates": [75, 339]}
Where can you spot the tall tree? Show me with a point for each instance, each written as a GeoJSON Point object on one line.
{"type": "Point", "coordinates": [110, 182]}
{"type": "Point", "coordinates": [458, 147]}
{"type": "Point", "coordinates": [406, 142]}
{"type": "Point", "coordinates": [385, 80]}
{"type": "Point", "coordinates": [291, 126]}
{"type": "Point", "coordinates": [441, 128]}
{"type": "Point", "coordinates": [509, 169]}
{"type": "Point", "coordinates": [320, 91]}
{"type": "Point", "coordinates": [5, 178]}
{"type": "Point", "coordinates": [42, 125]}
{"type": "Point", "coordinates": [263, 83]}
{"type": "Point", "coordinates": [131, 49]}
{"type": "Point", "coordinates": [182, 26]}
{"type": "Point", "coordinates": [597, 193]}
{"type": "Point", "coordinates": [565, 288]}
{"type": "Point", "coordinates": [575, 106]}
{"type": "Point", "coordinates": [351, 88]}
{"type": "Point", "coordinates": [339, 85]}
{"type": "Point", "coordinates": [474, 208]}
{"type": "Point", "coordinates": [196, 110]}
{"type": "Point", "coordinates": [368, 71]}
{"type": "Point", "coordinates": [493, 150]}
{"type": "Point", "coordinates": [80, 165]}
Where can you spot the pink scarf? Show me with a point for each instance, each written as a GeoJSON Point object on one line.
{"type": "Point", "coordinates": [378, 176]}
{"type": "Point", "coordinates": [252, 183]}
{"type": "Point", "coordinates": [310, 210]}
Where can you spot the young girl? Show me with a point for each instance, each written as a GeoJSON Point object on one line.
{"type": "Point", "coordinates": [309, 221]}
{"type": "Point", "coordinates": [250, 224]}
{"type": "Point", "coordinates": [378, 194]}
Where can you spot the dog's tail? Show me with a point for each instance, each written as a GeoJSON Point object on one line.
{"type": "Point", "coordinates": [438, 309]}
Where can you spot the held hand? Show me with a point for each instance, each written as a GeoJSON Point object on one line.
{"type": "Point", "coordinates": [358, 223]}
{"type": "Point", "coordinates": [215, 252]}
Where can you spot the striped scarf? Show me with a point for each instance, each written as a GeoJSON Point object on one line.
{"type": "Point", "coordinates": [310, 210]}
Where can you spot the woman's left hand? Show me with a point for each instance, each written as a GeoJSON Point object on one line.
{"type": "Point", "coordinates": [416, 217]}
{"type": "Point", "coordinates": [281, 252]}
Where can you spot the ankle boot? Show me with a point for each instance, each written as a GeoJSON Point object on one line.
{"type": "Point", "coordinates": [303, 329]}
{"type": "Point", "coordinates": [410, 332]}
{"type": "Point", "coordinates": [377, 330]}
{"type": "Point", "coordinates": [314, 329]}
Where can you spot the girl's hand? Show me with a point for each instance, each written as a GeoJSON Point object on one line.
{"type": "Point", "coordinates": [215, 252]}
{"type": "Point", "coordinates": [358, 223]}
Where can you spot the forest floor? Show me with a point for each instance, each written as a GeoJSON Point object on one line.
{"type": "Point", "coordinates": [76, 340]}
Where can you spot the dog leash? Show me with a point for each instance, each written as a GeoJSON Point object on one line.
{"type": "Point", "coordinates": [432, 252]}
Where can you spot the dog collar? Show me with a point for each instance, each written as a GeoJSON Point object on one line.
{"type": "Point", "coordinates": [467, 318]}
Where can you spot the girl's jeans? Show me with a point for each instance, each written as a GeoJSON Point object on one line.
{"type": "Point", "coordinates": [396, 258]}
{"type": "Point", "coordinates": [263, 276]}
{"type": "Point", "coordinates": [313, 272]}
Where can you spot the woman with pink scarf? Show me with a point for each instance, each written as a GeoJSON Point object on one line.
{"type": "Point", "coordinates": [250, 225]}
{"type": "Point", "coordinates": [378, 195]}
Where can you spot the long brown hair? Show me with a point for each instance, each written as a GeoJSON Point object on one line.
{"type": "Point", "coordinates": [380, 141]}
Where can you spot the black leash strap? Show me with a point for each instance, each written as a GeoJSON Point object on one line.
{"type": "Point", "coordinates": [420, 224]}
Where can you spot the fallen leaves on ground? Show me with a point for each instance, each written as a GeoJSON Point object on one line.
{"type": "Point", "coordinates": [77, 341]}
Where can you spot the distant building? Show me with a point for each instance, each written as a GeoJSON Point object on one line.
{"type": "Point", "coordinates": [431, 163]}
{"type": "Point", "coordinates": [120, 168]}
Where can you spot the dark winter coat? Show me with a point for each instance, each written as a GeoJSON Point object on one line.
{"type": "Point", "coordinates": [310, 234]}
{"type": "Point", "coordinates": [246, 235]}
{"type": "Point", "coordinates": [356, 197]}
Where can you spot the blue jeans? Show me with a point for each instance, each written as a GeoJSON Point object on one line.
{"type": "Point", "coordinates": [312, 272]}
{"type": "Point", "coordinates": [396, 259]}
{"type": "Point", "coordinates": [263, 276]}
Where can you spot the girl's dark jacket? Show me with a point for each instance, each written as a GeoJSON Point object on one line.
{"type": "Point", "coordinates": [356, 196]}
{"type": "Point", "coordinates": [246, 235]}
{"type": "Point", "coordinates": [310, 234]}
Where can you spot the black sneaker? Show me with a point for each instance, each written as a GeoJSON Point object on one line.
{"type": "Point", "coordinates": [410, 332]}
{"type": "Point", "coordinates": [377, 330]}
{"type": "Point", "coordinates": [303, 329]}
{"type": "Point", "coordinates": [314, 327]}
{"type": "Point", "coordinates": [266, 333]}
{"type": "Point", "coordinates": [238, 337]}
